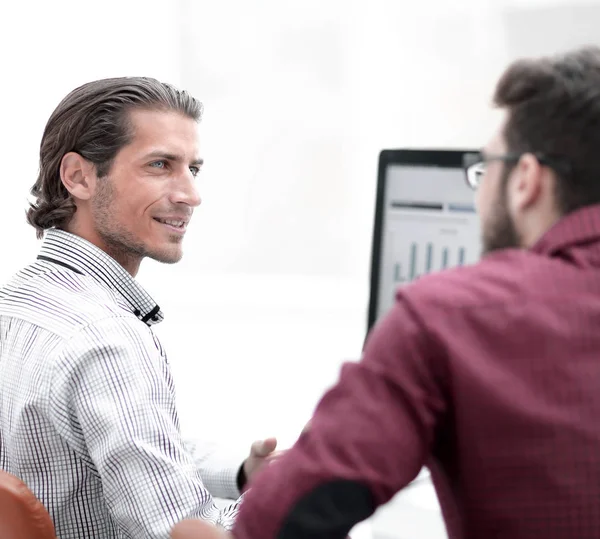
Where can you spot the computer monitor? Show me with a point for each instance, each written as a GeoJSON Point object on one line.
{"type": "Point", "coordinates": [425, 221]}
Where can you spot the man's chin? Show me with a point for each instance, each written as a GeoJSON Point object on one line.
{"type": "Point", "coordinates": [493, 247]}
{"type": "Point", "coordinates": [166, 257]}
{"type": "Point", "coordinates": [499, 235]}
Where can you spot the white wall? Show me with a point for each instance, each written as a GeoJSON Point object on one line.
{"type": "Point", "coordinates": [300, 98]}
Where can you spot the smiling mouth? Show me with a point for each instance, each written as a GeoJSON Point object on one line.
{"type": "Point", "coordinates": [173, 223]}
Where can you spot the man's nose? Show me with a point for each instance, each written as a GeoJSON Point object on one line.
{"type": "Point", "coordinates": [185, 191]}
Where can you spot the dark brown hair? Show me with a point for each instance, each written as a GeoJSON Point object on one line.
{"type": "Point", "coordinates": [553, 106]}
{"type": "Point", "coordinates": [93, 122]}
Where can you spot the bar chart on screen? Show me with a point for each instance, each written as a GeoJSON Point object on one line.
{"type": "Point", "coordinates": [420, 243]}
{"type": "Point", "coordinates": [429, 223]}
{"type": "Point", "coordinates": [444, 258]}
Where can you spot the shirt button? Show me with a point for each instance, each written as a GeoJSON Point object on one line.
{"type": "Point", "coordinates": [137, 312]}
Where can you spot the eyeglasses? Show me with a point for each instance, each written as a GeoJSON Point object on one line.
{"type": "Point", "coordinates": [475, 164]}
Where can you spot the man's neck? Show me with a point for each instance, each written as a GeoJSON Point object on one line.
{"type": "Point", "coordinates": [131, 263]}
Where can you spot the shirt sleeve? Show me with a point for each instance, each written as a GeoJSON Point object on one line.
{"type": "Point", "coordinates": [219, 471]}
{"type": "Point", "coordinates": [112, 400]}
{"type": "Point", "coordinates": [369, 437]}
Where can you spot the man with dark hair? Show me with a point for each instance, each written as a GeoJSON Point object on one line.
{"type": "Point", "coordinates": [87, 408]}
{"type": "Point", "coordinates": [488, 374]}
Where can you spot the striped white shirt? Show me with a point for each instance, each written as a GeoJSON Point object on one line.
{"type": "Point", "coordinates": [87, 406]}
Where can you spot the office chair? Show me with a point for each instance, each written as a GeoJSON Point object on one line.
{"type": "Point", "coordinates": [22, 515]}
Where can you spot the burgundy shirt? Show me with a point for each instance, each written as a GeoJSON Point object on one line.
{"type": "Point", "coordinates": [490, 375]}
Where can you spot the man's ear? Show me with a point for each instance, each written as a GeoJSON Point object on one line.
{"type": "Point", "coordinates": [78, 176]}
{"type": "Point", "coordinates": [526, 182]}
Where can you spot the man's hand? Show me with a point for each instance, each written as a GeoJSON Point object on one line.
{"type": "Point", "coordinates": [198, 529]}
{"type": "Point", "coordinates": [262, 453]}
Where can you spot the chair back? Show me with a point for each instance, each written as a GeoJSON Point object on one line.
{"type": "Point", "coordinates": [22, 515]}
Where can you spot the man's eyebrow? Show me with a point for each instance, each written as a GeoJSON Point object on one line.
{"type": "Point", "coordinates": [158, 154]}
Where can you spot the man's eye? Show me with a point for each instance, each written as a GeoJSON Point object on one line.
{"type": "Point", "coordinates": [195, 171]}
{"type": "Point", "coordinates": [158, 164]}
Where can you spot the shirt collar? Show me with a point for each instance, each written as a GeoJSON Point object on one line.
{"type": "Point", "coordinates": [578, 227]}
{"type": "Point", "coordinates": [81, 256]}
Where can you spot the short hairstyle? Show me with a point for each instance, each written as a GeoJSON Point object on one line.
{"type": "Point", "coordinates": [93, 121]}
{"type": "Point", "coordinates": [553, 106]}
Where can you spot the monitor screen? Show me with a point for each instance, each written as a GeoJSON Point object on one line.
{"type": "Point", "coordinates": [425, 221]}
